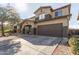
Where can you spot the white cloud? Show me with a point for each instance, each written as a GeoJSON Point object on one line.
{"type": "Point", "coordinates": [12, 1]}
{"type": "Point", "coordinates": [19, 4]}
{"type": "Point", "coordinates": [21, 7]}
{"type": "Point", "coordinates": [75, 26]}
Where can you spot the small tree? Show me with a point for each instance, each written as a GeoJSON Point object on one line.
{"type": "Point", "coordinates": [3, 17]}
{"type": "Point", "coordinates": [13, 15]}
{"type": "Point", "coordinates": [8, 13]}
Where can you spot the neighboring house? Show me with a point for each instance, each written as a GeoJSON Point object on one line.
{"type": "Point", "coordinates": [74, 31]}
{"type": "Point", "coordinates": [50, 22]}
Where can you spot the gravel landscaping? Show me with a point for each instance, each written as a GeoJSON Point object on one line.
{"type": "Point", "coordinates": [63, 49]}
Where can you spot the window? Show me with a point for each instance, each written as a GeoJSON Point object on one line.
{"type": "Point", "coordinates": [48, 16]}
{"type": "Point", "coordinates": [37, 18]}
{"type": "Point", "coordinates": [42, 16]}
{"type": "Point", "coordinates": [58, 13]}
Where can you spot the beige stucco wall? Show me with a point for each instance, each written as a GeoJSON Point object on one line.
{"type": "Point", "coordinates": [64, 21]}
{"type": "Point", "coordinates": [44, 11]}
{"type": "Point", "coordinates": [28, 23]}
{"type": "Point", "coordinates": [65, 11]}
{"type": "Point", "coordinates": [32, 18]}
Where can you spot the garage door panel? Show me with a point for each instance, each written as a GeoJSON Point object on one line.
{"type": "Point", "coordinates": [50, 30]}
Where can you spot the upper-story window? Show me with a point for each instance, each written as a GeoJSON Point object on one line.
{"type": "Point", "coordinates": [42, 16]}
{"type": "Point", "coordinates": [48, 16]}
{"type": "Point", "coordinates": [58, 13]}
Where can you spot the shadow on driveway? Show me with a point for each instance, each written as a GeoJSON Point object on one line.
{"type": "Point", "coordinates": [42, 40]}
{"type": "Point", "coordinates": [9, 47]}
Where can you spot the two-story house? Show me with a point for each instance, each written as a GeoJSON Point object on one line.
{"type": "Point", "coordinates": [52, 22]}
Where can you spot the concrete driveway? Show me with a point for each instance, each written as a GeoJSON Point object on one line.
{"type": "Point", "coordinates": [35, 45]}
{"type": "Point", "coordinates": [38, 45]}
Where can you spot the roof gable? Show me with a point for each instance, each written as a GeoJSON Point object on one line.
{"type": "Point", "coordinates": [42, 7]}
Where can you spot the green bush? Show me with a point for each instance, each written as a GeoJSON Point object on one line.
{"type": "Point", "coordinates": [74, 44]}
{"type": "Point", "coordinates": [7, 31]}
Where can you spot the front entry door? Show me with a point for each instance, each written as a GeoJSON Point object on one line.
{"type": "Point", "coordinates": [26, 30]}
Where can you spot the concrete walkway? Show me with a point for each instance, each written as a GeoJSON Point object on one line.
{"type": "Point", "coordinates": [32, 45]}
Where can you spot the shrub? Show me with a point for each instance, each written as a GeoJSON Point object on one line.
{"type": "Point", "coordinates": [74, 44]}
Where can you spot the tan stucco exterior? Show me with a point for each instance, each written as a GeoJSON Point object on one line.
{"type": "Point", "coordinates": [43, 11]}
{"type": "Point", "coordinates": [65, 11]}
{"type": "Point", "coordinates": [64, 21]}
{"type": "Point", "coordinates": [28, 23]}
{"type": "Point", "coordinates": [32, 18]}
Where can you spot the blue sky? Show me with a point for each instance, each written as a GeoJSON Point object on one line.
{"type": "Point", "coordinates": [26, 10]}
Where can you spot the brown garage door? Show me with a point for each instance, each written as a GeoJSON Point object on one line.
{"type": "Point", "coordinates": [50, 30]}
